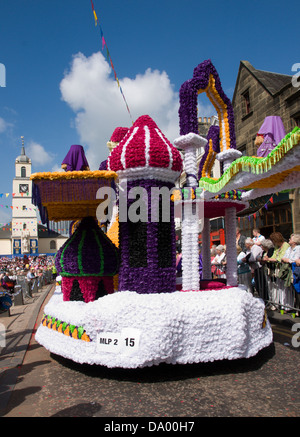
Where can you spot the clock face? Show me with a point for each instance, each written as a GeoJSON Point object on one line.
{"type": "Point", "coordinates": [23, 188]}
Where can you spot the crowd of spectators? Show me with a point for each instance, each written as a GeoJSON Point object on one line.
{"type": "Point", "coordinates": [27, 267]}
{"type": "Point", "coordinates": [267, 267]}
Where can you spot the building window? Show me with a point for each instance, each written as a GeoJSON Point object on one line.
{"type": "Point", "coordinates": [296, 120]}
{"type": "Point", "coordinates": [53, 244]}
{"type": "Point", "coordinates": [23, 172]}
{"type": "Point", "coordinates": [243, 149]}
{"type": "Point", "coordinates": [246, 104]}
{"type": "Point", "coordinates": [24, 226]}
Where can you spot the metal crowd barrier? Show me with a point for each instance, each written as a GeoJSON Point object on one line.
{"type": "Point", "coordinates": [266, 282]}
{"type": "Point", "coordinates": [31, 287]}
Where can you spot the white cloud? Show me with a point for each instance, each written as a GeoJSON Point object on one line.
{"type": "Point", "coordinates": [56, 167]}
{"type": "Point", "coordinates": [4, 125]}
{"type": "Point", "coordinates": [90, 89]}
{"type": "Point", "coordinates": [38, 155]}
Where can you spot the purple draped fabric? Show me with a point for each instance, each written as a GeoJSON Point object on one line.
{"type": "Point", "coordinates": [75, 159]}
{"type": "Point", "coordinates": [273, 131]}
{"type": "Point", "coordinates": [103, 165]}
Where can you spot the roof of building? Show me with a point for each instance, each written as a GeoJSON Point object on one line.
{"type": "Point", "coordinates": [23, 157]}
{"type": "Point", "coordinates": [43, 232]}
{"type": "Point", "coordinates": [5, 232]}
{"type": "Point", "coordinates": [272, 82]}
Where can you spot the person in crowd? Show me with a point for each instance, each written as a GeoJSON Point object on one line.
{"type": "Point", "coordinates": [213, 253]}
{"type": "Point", "coordinates": [257, 237]}
{"type": "Point", "coordinates": [219, 261]}
{"type": "Point", "coordinates": [253, 255]}
{"type": "Point", "coordinates": [277, 288]}
{"type": "Point", "coordinates": [276, 285]}
{"type": "Point", "coordinates": [265, 278]}
{"type": "Point", "coordinates": [268, 249]}
{"type": "Point", "coordinates": [296, 284]}
{"type": "Point", "coordinates": [284, 274]}
{"type": "Point", "coordinates": [243, 269]}
{"type": "Point", "coordinates": [240, 239]}
{"type": "Point", "coordinates": [293, 252]}
{"type": "Point", "coordinates": [280, 247]}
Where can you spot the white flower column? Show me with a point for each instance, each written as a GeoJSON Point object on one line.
{"type": "Point", "coordinates": [231, 253]}
{"type": "Point", "coordinates": [190, 219]}
{"type": "Point", "coordinates": [228, 156]}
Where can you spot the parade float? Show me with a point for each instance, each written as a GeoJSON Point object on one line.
{"type": "Point", "coordinates": [116, 303]}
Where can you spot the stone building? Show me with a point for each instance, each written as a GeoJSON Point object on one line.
{"type": "Point", "coordinates": [259, 94]}
{"type": "Point", "coordinates": [23, 235]}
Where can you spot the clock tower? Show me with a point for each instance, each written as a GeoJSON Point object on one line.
{"type": "Point", "coordinates": [24, 217]}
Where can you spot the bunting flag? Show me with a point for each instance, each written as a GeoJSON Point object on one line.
{"type": "Point", "coordinates": [13, 194]}
{"type": "Point", "coordinates": [12, 207]}
{"type": "Point", "coordinates": [258, 212]}
{"type": "Point", "coordinates": [108, 57]}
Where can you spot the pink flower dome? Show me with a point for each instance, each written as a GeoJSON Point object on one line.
{"type": "Point", "coordinates": [118, 134]}
{"type": "Point", "coordinates": [145, 153]}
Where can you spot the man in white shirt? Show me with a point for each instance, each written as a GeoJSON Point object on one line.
{"type": "Point", "coordinates": [257, 237]}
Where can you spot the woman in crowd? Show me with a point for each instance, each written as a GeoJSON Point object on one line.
{"type": "Point", "coordinates": [276, 286]}
{"type": "Point", "coordinates": [253, 255]}
{"type": "Point", "coordinates": [219, 261]}
{"type": "Point", "coordinates": [265, 278]}
{"type": "Point", "coordinates": [285, 275]}
{"type": "Point", "coordinates": [243, 270]}
{"type": "Point", "coordinates": [293, 252]}
{"type": "Point", "coordinates": [280, 247]}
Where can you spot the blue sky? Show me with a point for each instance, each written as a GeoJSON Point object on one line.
{"type": "Point", "coordinates": [61, 91]}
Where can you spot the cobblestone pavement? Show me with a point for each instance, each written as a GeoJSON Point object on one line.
{"type": "Point", "coordinates": [263, 386]}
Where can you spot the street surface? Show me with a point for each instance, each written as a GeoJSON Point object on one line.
{"type": "Point", "coordinates": [263, 386]}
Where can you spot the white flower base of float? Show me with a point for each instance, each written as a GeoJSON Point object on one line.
{"type": "Point", "coordinates": [149, 329]}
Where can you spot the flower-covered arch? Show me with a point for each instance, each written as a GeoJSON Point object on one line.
{"type": "Point", "coordinates": [206, 79]}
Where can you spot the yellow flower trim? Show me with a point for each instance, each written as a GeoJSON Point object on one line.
{"type": "Point", "coordinates": [176, 195]}
{"type": "Point", "coordinates": [59, 175]}
{"type": "Point", "coordinates": [206, 170]}
{"type": "Point", "coordinates": [64, 328]}
{"type": "Point", "coordinates": [221, 109]}
{"type": "Point", "coordinates": [273, 180]}
{"type": "Point", "coordinates": [256, 165]}
{"type": "Point", "coordinates": [71, 210]}
{"type": "Point", "coordinates": [113, 232]}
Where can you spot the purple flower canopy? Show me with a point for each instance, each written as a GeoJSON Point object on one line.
{"type": "Point", "coordinates": [88, 252]}
{"type": "Point", "coordinates": [214, 135]}
{"type": "Point", "coordinates": [75, 159]}
{"type": "Point", "coordinates": [103, 165]}
{"type": "Point", "coordinates": [273, 131]}
{"type": "Point", "coordinates": [188, 95]}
